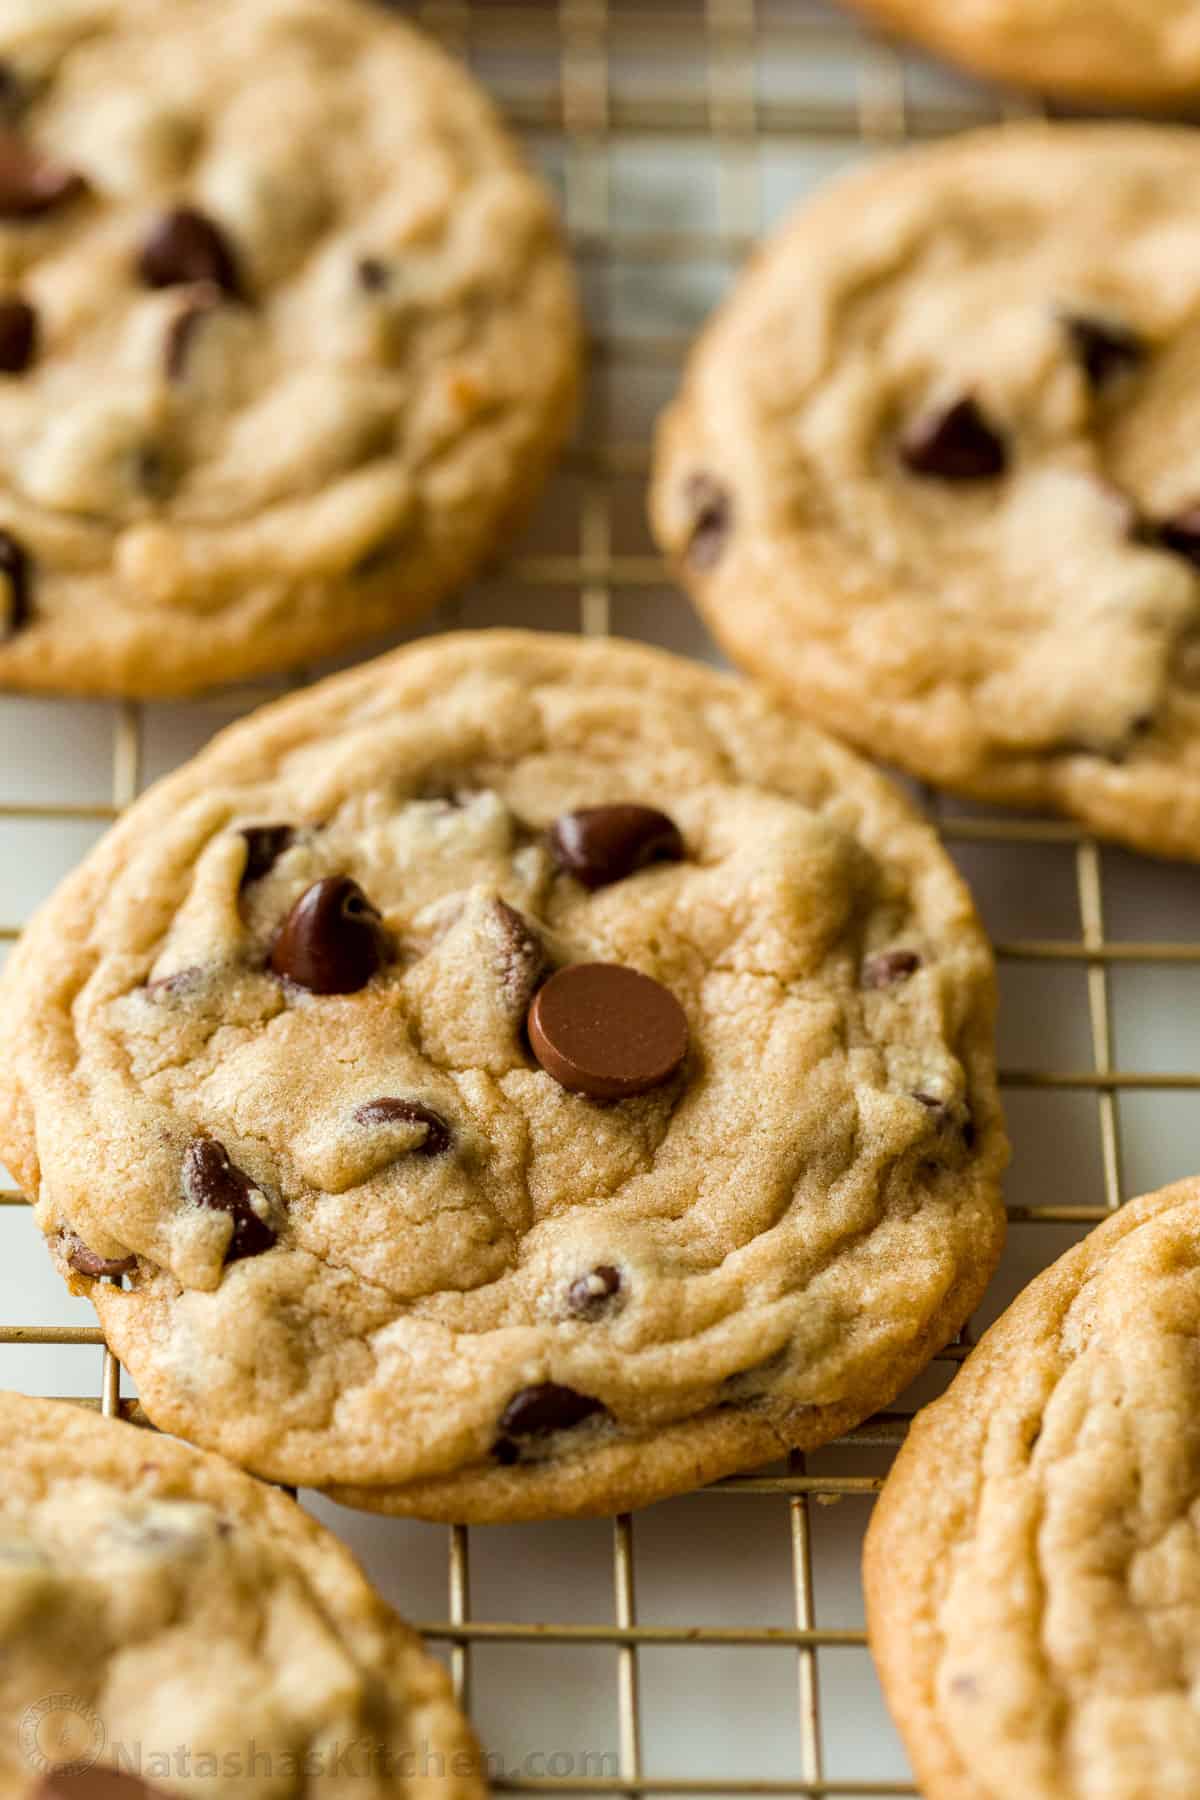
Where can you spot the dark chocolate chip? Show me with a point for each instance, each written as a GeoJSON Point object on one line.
{"type": "Point", "coordinates": [438, 1136]}
{"type": "Point", "coordinates": [1180, 535]}
{"type": "Point", "coordinates": [18, 335]}
{"type": "Point", "coordinates": [86, 1262]}
{"type": "Point", "coordinates": [602, 844]}
{"type": "Point", "coordinates": [537, 1411]}
{"type": "Point", "coordinates": [373, 273]}
{"type": "Point", "coordinates": [889, 968]}
{"type": "Point", "coordinates": [522, 956]}
{"type": "Point", "coordinates": [265, 844]}
{"type": "Point", "coordinates": [32, 183]}
{"type": "Point", "coordinates": [1104, 348]}
{"type": "Point", "coordinates": [592, 1294]}
{"type": "Point", "coordinates": [955, 445]}
{"type": "Point", "coordinates": [185, 246]}
{"type": "Point", "coordinates": [332, 941]}
{"type": "Point", "coordinates": [181, 332]}
{"type": "Point", "coordinates": [15, 603]}
{"type": "Point", "coordinates": [212, 1181]}
{"type": "Point", "coordinates": [606, 1031]}
{"type": "Point", "coordinates": [711, 507]}
{"type": "Point", "coordinates": [94, 1783]}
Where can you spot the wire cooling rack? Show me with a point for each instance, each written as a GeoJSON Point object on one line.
{"type": "Point", "coordinates": [677, 132]}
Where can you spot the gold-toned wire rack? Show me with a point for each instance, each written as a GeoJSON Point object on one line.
{"type": "Point", "coordinates": [704, 68]}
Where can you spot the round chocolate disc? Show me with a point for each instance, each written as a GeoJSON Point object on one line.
{"type": "Point", "coordinates": [607, 1031]}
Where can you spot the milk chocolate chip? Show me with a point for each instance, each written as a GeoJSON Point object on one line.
{"type": "Point", "coordinates": [602, 844]}
{"type": "Point", "coordinates": [185, 246]}
{"type": "Point", "coordinates": [1105, 350]}
{"type": "Point", "coordinates": [332, 941]}
{"type": "Point", "coordinates": [265, 844]}
{"type": "Point", "coordinates": [592, 1294]}
{"type": "Point", "coordinates": [537, 1411]}
{"type": "Point", "coordinates": [86, 1262]}
{"type": "Point", "coordinates": [607, 1031]}
{"type": "Point", "coordinates": [32, 183]}
{"type": "Point", "coordinates": [955, 445]}
{"type": "Point", "coordinates": [212, 1181]}
{"type": "Point", "coordinates": [889, 967]}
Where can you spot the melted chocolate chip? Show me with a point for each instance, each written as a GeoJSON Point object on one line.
{"type": "Point", "coordinates": [1105, 349]}
{"type": "Point", "coordinates": [889, 968]}
{"type": "Point", "coordinates": [602, 844]}
{"type": "Point", "coordinates": [1181, 535]}
{"type": "Point", "coordinates": [265, 844]}
{"type": "Point", "coordinates": [522, 957]}
{"type": "Point", "coordinates": [181, 332]}
{"type": "Point", "coordinates": [211, 1180]}
{"type": "Point", "coordinates": [591, 1295]}
{"type": "Point", "coordinates": [955, 445]}
{"type": "Point", "coordinates": [537, 1411]}
{"type": "Point", "coordinates": [95, 1783]}
{"type": "Point", "coordinates": [32, 183]}
{"type": "Point", "coordinates": [374, 275]}
{"type": "Point", "coordinates": [711, 507]}
{"type": "Point", "coordinates": [185, 246]}
{"type": "Point", "coordinates": [18, 335]}
{"type": "Point", "coordinates": [438, 1136]}
{"type": "Point", "coordinates": [15, 604]}
{"type": "Point", "coordinates": [607, 1031]}
{"type": "Point", "coordinates": [332, 941]}
{"type": "Point", "coordinates": [86, 1262]}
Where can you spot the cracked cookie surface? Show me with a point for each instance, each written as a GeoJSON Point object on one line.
{"type": "Point", "coordinates": [159, 1605]}
{"type": "Point", "coordinates": [934, 475]}
{"type": "Point", "coordinates": [280, 360]}
{"type": "Point", "coordinates": [529, 1076]}
{"type": "Point", "coordinates": [1032, 1566]}
{"type": "Point", "coordinates": [1145, 52]}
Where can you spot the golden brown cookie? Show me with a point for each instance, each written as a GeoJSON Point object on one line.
{"type": "Point", "coordinates": [280, 358]}
{"type": "Point", "coordinates": [934, 476]}
{"type": "Point", "coordinates": [523, 1075]}
{"type": "Point", "coordinates": [1032, 1568]}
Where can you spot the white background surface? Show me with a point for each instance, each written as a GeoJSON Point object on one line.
{"type": "Point", "coordinates": [658, 216]}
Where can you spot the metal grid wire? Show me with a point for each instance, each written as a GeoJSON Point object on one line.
{"type": "Point", "coordinates": [586, 115]}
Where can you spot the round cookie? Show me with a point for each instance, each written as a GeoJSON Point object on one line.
{"type": "Point", "coordinates": [1032, 1567]}
{"type": "Point", "coordinates": [935, 472]}
{"type": "Point", "coordinates": [1139, 52]}
{"type": "Point", "coordinates": [525, 1075]}
{"type": "Point", "coordinates": [280, 360]}
{"type": "Point", "coordinates": [167, 1616]}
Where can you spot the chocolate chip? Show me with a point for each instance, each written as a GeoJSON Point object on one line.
{"type": "Point", "coordinates": [185, 246]}
{"type": "Point", "coordinates": [94, 1783]}
{"type": "Point", "coordinates": [86, 1262]}
{"type": "Point", "coordinates": [211, 1180]}
{"type": "Point", "coordinates": [332, 941]}
{"type": "Point", "coordinates": [591, 1295]}
{"type": "Point", "coordinates": [373, 274]}
{"type": "Point", "coordinates": [32, 183]}
{"type": "Point", "coordinates": [522, 956]}
{"type": "Point", "coordinates": [711, 507]}
{"type": "Point", "coordinates": [1105, 349]}
{"type": "Point", "coordinates": [18, 335]}
{"type": "Point", "coordinates": [438, 1136]}
{"type": "Point", "coordinates": [537, 1411]}
{"type": "Point", "coordinates": [15, 604]}
{"type": "Point", "coordinates": [265, 844]}
{"type": "Point", "coordinates": [607, 1031]}
{"type": "Point", "coordinates": [181, 332]}
{"type": "Point", "coordinates": [955, 445]}
{"type": "Point", "coordinates": [601, 844]}
{"type": "Point", "coordinates": [1181, 535]}
{"type": "Point", "coordinates": [183, 981]}
{"type": "Point", "coordinates": [13, 93]}
{"type": "Point", "coordinates": [889, 967]}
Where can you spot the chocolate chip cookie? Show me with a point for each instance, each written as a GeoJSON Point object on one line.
{"type": "Point", "coordinates": [521, 1076]}
{"type": "Point", "coordinates": [935, 472]}
{"type": "Point", "coordinates": [280, 358]}
{"type": "Point", "coordinates": [1140, 52]}
{"type": "Point", "coordinates": [172, 1626]}
{"type": "Point", "coordinates": [1032, 1566]}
